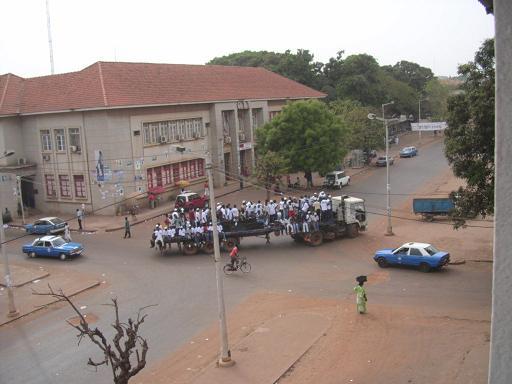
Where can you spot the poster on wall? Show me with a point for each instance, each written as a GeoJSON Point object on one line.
{"type": "Point", "coordinates": [102, 171]}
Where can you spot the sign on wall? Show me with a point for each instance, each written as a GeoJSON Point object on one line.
{"type": "Point", "coordinates": [438, 126]}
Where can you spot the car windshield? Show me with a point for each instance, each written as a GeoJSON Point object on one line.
{"type": "Point", "coordinates": [330, 177]}
{"type": "Point", "coordinates": [193, 196]}
{"type": "Point", "coordinates": [58, 242]}
{"type": "Point", "coordinates": [57, 221]}
{"type": "Point", "coordinates": [431, 250]}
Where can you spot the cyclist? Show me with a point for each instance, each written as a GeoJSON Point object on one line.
{"type": "Point", "coordinates": [234, 256]}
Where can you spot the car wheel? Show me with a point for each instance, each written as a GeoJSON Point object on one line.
{"type": "Point", "coordinates": [62, 256]}
{"type": "Point", "coordinates": [424, 267]}
{"type": "Point", "coordinates": [383, 263]}
{"type": "Point", "coordinates": [32, 255]}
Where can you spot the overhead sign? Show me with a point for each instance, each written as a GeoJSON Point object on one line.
{"type": "Point", "coordinates": [438, 126]}
{"type": "Point", "coordinates": [244, 146]}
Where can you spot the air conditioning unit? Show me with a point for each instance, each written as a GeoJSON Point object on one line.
{"type": "Point", "coordinates": [22, 161]}
{"type": "Point", "coordinates": [162, 139]}
{"type": "Point", "coordinates": [241, 136]}
{"type": "Point", "coordinates": [46, 158]}
{"type": "Point", "coordinates": [227, 140]}
{"type": "Point", "coordinates": [74, 148]}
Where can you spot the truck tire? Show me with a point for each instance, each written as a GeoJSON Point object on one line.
{"type": "Point", "coordinates": [316, 239]}
{"type": "Point", "coordinates": [353, 230]}
{"type": "Point", "coordinates": [189, 249]}
{"type": "Point", "coordinates": [298, 238]}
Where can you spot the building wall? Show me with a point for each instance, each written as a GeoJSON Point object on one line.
{"type": "Point", "coordinates": [113, 160]}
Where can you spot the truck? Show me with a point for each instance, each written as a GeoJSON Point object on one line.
{"type": "Point", "coordinates": [348, 219]}
{"type": "Point", "coordinates": [336, 179]}
{"type": "Point", "coordinates": [432, 206]}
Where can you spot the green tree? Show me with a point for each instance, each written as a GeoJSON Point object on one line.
{"type": "Point", "coordinates": [296, 66]}
{"type": "Point", "coordinates": [306, 135]}
{"type": "Point", "coordinates": [410, 73]}
{"type": "Point", "coordinates": [437, 100]}
{"type": "Point", "coordinates": [270, 167]}
{"type": "Point", "coordinates": [363, 133]}
{"type": "Point", "coordinates": [470, 135]}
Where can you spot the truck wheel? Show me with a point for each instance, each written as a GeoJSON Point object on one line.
{"type": "Point", "coordinates": [383, 263]}
{"type": "Point", "coordinates": [189, 249]}
{"type": "Point", "coordinates": [353, 230]}
{"type": "Point", "coordinates": [298, 238]}
{"type": "Point", "coordinates": [424, 267]}
{"type": "Point", "coordinates": [208, 248]}
{"type": "Point", "coordinates": [316, 239]}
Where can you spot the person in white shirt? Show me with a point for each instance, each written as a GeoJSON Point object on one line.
{"type": "Point", "coordinates": [305, 224]}
{"type": "Point", "coordinates": [234, 213]}
{"type": "Point", "coordinates": [159, 240]}
{"type": "Point", "coordinates": [181, 232]}
{"type": "Point", "coordinates": [197, 216]}
{"type": "Point", "coordinates": [204, 216]}
{"type": "Point", "coordinates": [305, 207]}
{"type": "Point", "coordinates": [324, 207]}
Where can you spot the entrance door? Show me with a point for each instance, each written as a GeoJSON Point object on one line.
{"type": "Point", "coordinates": [27, 191]}
{"type": "Point", "coordinates": [227, 165]}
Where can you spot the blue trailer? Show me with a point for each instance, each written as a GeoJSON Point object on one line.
{"type": "Point", "coordinates": [430, 207]}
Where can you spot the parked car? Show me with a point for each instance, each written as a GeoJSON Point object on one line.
{"type": "Point", "coordinates": [421, 255]}
{"type": "Point", "coordinates": [381, 161]}
{"type": "Point", "coordinates": [190, 200]}
{"type": "Point", "coordinates": [52, 246]}
{"type": "Point", "coordinates": [408, 152]}
{"type": "Point", "coordinates": [337, 179]}
{"type": "Point", "coordinates": [46, 226]}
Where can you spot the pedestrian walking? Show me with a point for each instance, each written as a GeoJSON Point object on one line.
{"type": "Point", "coordinates": [67, 233]}
{"type": "Point", "coordinates": [361, 298]}
{"type": "Point", "coordinates": [79, 218]}
{"type": "Point", "coordinates": [127, 228]}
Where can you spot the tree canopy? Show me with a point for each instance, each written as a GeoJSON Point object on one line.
{"type": "Point", "coordinates": [411, 74]}
{"type": "Point", "coordinates": [470, 135]}
{"type": "Point", "coordinates": [306, 135]}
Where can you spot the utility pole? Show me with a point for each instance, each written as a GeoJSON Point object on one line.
{"type": "Point", "coordinates": [389, 230]}
{"type": "Point", "coordinates": [225, 354]}
{"type": "Point", "coordinates": [20, 198]}
{"type": "Point", "coordinates": [49, 36]}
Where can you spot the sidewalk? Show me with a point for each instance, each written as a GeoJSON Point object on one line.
{"type": "Point", "coordinates": [27, 279]}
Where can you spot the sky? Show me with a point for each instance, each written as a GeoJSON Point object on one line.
{"type": "Point", "coordinates": [438, 34]}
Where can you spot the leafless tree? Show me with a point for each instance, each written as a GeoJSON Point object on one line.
{"type": "Point", "coordinates": [125, 343]}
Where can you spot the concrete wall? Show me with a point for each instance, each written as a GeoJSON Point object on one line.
{"type": "Point", "coordinates": [500, 367]}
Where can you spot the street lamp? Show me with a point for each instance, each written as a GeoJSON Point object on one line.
{"type": "Point", "coordinates": [419, 116]}
{"type": "Point", "coordinates": [225, 354]}
{"type": "Point", "coordinates": [13, 312]}
{"type": "Point", "coordinates": [372, 116]}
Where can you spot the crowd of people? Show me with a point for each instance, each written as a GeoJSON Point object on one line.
{"type": "Point", "coordinates": [289, 215]}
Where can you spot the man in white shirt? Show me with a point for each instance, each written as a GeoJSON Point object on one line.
{"type": "Point", "coordinates": [234, 213]}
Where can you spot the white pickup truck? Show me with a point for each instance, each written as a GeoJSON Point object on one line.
{"type": "Point", "coordinates": [337, 179]}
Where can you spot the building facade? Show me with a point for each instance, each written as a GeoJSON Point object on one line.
{"type": "Point", "coordinates": [109, 133]}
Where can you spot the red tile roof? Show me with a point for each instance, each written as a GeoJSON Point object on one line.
{"type": "Point", "coordinates": [108, 85]}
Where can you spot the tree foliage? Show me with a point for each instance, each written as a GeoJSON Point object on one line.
{"type": "Point", "coordinates": [363, 133]}
{"type": "Point", "coordinates": [411, 74]}
{"type": "Point", "coordinates": [296, 66]}
{"type": "Point", "coordinates": [437, 100]}
{"type": "Point", "coordinates": [306, 135]}
{"type": "Point", "coordinates": [470, 137]}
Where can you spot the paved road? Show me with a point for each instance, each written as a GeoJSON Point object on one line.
{"type": "Point", "coordinates": [42, 348]}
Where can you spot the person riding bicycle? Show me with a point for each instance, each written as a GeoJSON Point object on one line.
{"type": "Point", "coordinates": [234, 256]}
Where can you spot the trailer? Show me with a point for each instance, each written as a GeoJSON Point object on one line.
{"type": "Point", "coordinates": [430, 207]}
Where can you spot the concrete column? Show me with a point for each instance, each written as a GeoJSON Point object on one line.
{"type": "Point", "coordinates": [500, 367]}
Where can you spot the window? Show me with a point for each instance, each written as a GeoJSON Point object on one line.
{"type": "Point", "coordinates": [65, 186]}
{"type": "Point", "coordinates": [415, 252]}
{"type": "Point", "coordinates": [172, 130]}
{"type": "Point", "coordinates": [46, 140]}
{"type": "Point", "coordinates": [402, 251]}
{"type": "Point", "coordinates": [257, 117]}
{"type": "Point", "coordinates": [273, 114]}
{"type": "Point", "coordinates": [226, 125]}
{"type": "Point", "coordinates": [79, 182]}
{"type": "Point", "coordinates": [74, 138]}
{"type": "Point", "coordinates": [49, 181]}
{"type": "Point", "coordinates": [60, 142]}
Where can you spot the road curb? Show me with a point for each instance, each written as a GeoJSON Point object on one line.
{"type": "Point", "coordinates": [36, 309]}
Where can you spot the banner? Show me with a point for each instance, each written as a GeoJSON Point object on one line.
{"type": "Point", "coordinates": [439, 126]}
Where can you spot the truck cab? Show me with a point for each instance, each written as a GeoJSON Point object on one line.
{"type": "Point", "coordinates": [190, 200]}
{"type": "Point", "coordinates": [336, 179]}
{"type": "Point", "coordinates": [350, 210]}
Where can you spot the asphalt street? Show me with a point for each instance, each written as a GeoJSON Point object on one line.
{"type": "Point", "coordinates": [42, 348]}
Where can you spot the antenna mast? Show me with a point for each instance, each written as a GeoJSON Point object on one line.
{"type": "Point", "coordinates": [49, 36]}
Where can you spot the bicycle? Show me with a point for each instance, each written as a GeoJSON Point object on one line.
{"type": "Point", "coordinates": [240, 264]}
